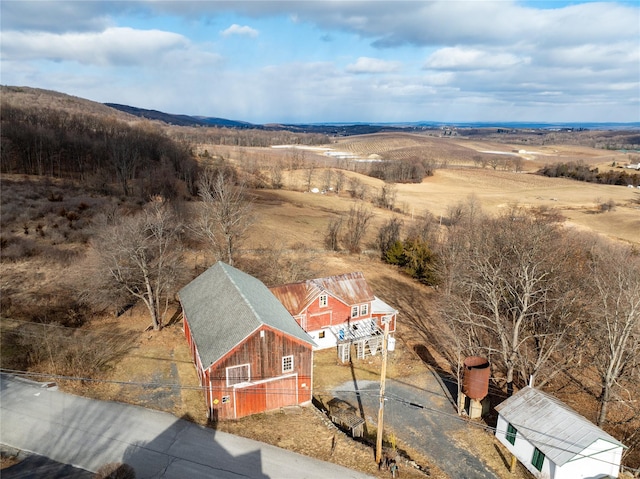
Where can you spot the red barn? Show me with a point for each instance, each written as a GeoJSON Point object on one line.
{"type": "Point", "coordinates": [339, 311]}
{"type": "Point", "coordinates": [250, 354]}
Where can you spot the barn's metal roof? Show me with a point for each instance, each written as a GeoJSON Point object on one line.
{"type": "Point", "coordinates": [350, 288]}
{"type": "Point", "coordinates": [550, 425]}
{"type": "Point", "coordinates": [224, 306]}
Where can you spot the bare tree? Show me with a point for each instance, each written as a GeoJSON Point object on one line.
{"type": "Point", "coordinates": [389, 235]}
{"type": "Point", "coordinates": [332, 236]}
{"type": "Point", "coordinates": [481, 161]}
{"type": "Point", "coordinates": [225, 213]}
{"type": "Point", "coordinates": [125, 160]}
{"type": "Point", "coordinates": [518, 164]}
{"type": "Point", "coordinates": [455, 213]}
{"type": "Point", "coordinates": [357, 188]}
{"type": "Point", "coordinates": [296, 158]}
{"type": "Point", "coordinates": [356, 227]}
{"type": "Point", "coordinates": [425, 228]}
{"type": "Point", "coordinates": [615, 281]}
{"type": "Point", "coordinates": [140, 257]}
{"type": "Point", "coordinates": [387, 197]}
{"type": "Point", "coordinates": [327, 178]}
{"type": "Point", "coordinates": [276, 175]}
{"type": "Point", "coordinates": [558, 325]}
{"type": "Point", "coordinates": [309, 174]}
{"type": "Point", "coordinates": [340, 179]}
{"type": "Point", "coordinates": [510, 292]}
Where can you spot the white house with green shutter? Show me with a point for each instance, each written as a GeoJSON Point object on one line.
{"type": "Point", "coordinates": [553, 441]}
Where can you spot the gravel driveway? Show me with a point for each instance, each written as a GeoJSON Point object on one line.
{"type": "Point", "coordinates": [425, 418]}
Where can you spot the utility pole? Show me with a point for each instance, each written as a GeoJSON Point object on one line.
{"type": "Point", "coordinates": [383, 377]}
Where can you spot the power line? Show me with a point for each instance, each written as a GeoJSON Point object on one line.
{"type": "Point", "coordinates": [37, 325]}
{"type": "Point", "coordinates": [362, 392]}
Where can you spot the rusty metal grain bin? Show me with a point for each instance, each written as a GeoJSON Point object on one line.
{"type": "Point", "coordinates": [475, 382]}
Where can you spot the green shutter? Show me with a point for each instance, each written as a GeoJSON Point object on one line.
{"type": "Point", "coordinates": [511, 433]}
{"type": "Point", "coordinates": [538, 459]}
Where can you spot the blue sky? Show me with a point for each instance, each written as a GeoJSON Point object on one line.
{"type": "Point", "coordinates": [334, 61]}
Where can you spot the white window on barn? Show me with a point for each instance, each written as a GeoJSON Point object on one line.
{"type": "Point", "coordinates": [355, 311]}
{"type": "Point", "coordinates": [364, 309]}
{"type": "Point", "coordinates": [287, 364]}
{"type": "Point", "coordinates": [238, 374]}
{"type": "Point", "coordinates": [323, 301]}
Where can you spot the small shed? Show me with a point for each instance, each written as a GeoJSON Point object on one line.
{"type": "Point", "coordinates": [250, 354]}
{"type": "Point", "coordinates": [553, 441]}
{"type": "Point", "coordinates": [346, 416]}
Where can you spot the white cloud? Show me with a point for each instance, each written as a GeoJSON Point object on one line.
{"type": "Point", "coordinates": [58, 15]}
{"type": "Point", "coordinates": [439, 78]}
{"type": "Point", "coordinates": [113, 46]}
{"type": "Point", "coordinates": [460, 61]}
{"type": "Point", "coordinates": [457, 58]}
{"type": "Point", "coordinates": [594, 56]}
{"type": "Point", "coordinates": [236, 29]}
{"type": "Point", "coordinates": [373, 65]}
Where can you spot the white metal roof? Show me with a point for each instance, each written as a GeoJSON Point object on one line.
{"type": "Point", "coordinates": [550, 425]}
{"type": "Point", "coordinates": [379, 306]}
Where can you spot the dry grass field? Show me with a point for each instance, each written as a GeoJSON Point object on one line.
{"type": "Point", "coordinates": [495, 191]}
{"type": "Point", "coordinates": [43, 239]}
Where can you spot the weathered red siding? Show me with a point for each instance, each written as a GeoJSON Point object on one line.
{"type": "Point", "coordinates": [193, 349]}
{"type": "Point", "coordinates": [340, 313]}
{"type": "Point", "coordinates": [264, 355]}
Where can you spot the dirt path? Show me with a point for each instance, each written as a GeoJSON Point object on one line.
{"type": "Point", "coordinates": [421, 416]}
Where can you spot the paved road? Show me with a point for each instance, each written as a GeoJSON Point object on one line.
{"type": "Point", "coordinates": [32, 465]}
{"type": "Point", "coordinates": [87, 434]}
{"type": "Point", "coordinates": [430, 430]}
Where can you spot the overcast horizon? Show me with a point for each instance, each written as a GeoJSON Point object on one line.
{"type": "Point", "coordinates": [335, 61]}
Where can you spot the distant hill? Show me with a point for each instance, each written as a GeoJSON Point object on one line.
{"type": "Point", "coordinates": [27, 97]}
{"type": "Point", "coordinates": [332, 129]}
{"type": "Point", "coordinates": [363, 128]}
{"type": "Point", "coordinates": [39, 98]}
{"type": "Point", "coordinates": [181, 120]}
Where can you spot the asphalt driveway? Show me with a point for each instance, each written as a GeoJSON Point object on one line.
{"type": "Point", "coordinates": [423, 417]}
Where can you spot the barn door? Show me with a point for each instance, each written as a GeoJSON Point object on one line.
{"type": "Point", "coordinates": [281, 393]}
{"type": "Point", "coordinates": [250, 400]}
{"type": "Point", "coordinates": [266, 396]}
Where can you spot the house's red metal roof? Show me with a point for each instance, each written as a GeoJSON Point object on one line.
{"type": "Point", "coordinates": [296, 296]}
{"type": "Point", "coordinates": [350, 288]}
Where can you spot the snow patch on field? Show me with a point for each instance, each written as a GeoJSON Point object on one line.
{"type": "Point", "coordinates": [331, 153]}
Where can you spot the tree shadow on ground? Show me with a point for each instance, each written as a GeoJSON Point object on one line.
{"type": "Point", "coordinates": [449, 382]}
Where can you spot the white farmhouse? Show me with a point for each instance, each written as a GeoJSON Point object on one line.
{"type": "Point", "coordinates": [553, 441]}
